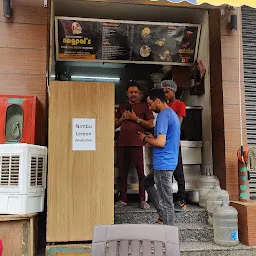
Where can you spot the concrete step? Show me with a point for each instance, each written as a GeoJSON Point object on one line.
{"type": "Point", "coordinates": [195, 232]}
{"type": "Point", "coordinates": [134, 215]}
{"type": "Point", "coordinates": [186, 248]}
{"type": "Point", "coordinates": [192, 223]}
{"type": "Point", "coordinates": [211, 249]}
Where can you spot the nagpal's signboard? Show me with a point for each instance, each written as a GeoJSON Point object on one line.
{"type": "Point", "coordinates": [81, 39]}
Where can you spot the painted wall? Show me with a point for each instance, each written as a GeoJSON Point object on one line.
{"type": "Point", "coordinates": [205, 99]}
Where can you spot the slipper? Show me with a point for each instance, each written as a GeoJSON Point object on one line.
{"type": "Point", "coordinates": [120, 203]}
{"type": "Point", "coordinates": [144, 205]}
{"type": "Point", "coordinates": [159, 221]}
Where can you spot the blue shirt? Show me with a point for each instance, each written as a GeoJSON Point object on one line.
{"type": "Point", "coordinates": [167, 123]}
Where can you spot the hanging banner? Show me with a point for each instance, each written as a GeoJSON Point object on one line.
{"type": "Point", "coordinates": [81, 39]}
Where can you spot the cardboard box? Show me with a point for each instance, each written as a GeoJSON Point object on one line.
{"type": "Point", "coordinates": [246, 222]}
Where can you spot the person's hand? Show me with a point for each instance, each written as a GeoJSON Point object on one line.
{"type": "Point", "coordinates": [122, 117]}
{"type": "Point", "coordinates": [149, 135]}
{"type": "Point", "coordinates": [130, 115]}
{"type": "Point", "coordinates": [141, 135]}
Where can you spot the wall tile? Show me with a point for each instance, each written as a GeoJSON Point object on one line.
{"type": "Point", "coordinates": [232, 116]}
{"type": "Point", "coordinates": [230, 70]}
{"type": "Point", "coordinates": [23, 36]}
{"type": "Point", "coordinates": [231, 92]}
{"type": "Point", "coordinates": [22, 61]}
{"type": "Point", "coordinates": [26, 11]}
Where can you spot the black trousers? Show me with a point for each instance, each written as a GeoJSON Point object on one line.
{"type": "Point", "coordinates": [178, 174]}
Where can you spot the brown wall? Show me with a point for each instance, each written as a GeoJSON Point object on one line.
{"type": "Point", "coordinates": [224, 47]}
{"type": "Point", "coordinates": [23, 51]}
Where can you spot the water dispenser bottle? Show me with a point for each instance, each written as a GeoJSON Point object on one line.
{"type": "Point", "coordinates": [214, 199]}
{"type": "Point", "coordinates": [225, 225]}
{"type": "Point", "coordinates": [206, 182]}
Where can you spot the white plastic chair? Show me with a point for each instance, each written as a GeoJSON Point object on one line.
{"type": "Point", "coordinates": [135, 240]}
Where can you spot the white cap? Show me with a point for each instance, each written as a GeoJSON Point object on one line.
{"type": "Point", "coordinates": [170, 84]}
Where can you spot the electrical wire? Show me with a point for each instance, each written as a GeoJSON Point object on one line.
{"type": "Point", "coordinates": [239, 77]}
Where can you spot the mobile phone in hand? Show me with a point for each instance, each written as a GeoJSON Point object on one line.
{"type": "Point", "coordinates": [128, 108]}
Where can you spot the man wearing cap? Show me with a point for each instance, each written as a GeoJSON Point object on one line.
{"type": "Point", "coordinates": [179, 107]}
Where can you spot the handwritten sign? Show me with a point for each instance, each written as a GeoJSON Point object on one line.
{"type": "Point", "coordinates": [83, 134]}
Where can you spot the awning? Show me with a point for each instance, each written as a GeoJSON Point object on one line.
{"type": "Point", "coordinates": [234, 3]}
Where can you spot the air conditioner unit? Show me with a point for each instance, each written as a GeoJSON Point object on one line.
{"type": "Point", "coordinates": [17, 119]}
{"type": "Point", "coordinates": [22, 178]}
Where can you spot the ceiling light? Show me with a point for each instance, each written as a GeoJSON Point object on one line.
{"type": "Point", "coordinates": [96, 78]}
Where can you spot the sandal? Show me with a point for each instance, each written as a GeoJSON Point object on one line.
{"type": "Point", "coordinates": [159, 220]}
{"type": "Point", "coordinates": [120, 203]}
{"type": "Point", "coordinates": [144, 205]}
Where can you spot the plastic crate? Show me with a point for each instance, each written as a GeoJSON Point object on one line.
{"type": "Point", "coordinates": [22, 178]}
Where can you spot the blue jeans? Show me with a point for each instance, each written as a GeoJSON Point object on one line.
{"type": "Point", "coordinates": [178, 174]}
{"type": "Point", "coordinates": [163, 181]}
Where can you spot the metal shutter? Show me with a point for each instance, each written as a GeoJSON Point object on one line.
{"type": "Point", "coordinates": [249, 51]}
{"type": "Point", "coordinates": [249, 54]}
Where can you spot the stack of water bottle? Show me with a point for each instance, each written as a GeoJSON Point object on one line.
{"type": "Point", "coordinates": [223, 217]}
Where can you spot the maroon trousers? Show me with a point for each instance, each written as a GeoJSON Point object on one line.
{"type": "Point", "coordinates": [126, 155]}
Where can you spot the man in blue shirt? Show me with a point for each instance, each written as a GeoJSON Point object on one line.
{"type": "Point", "coordinates": [165, 144]}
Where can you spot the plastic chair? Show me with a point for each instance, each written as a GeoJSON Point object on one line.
{"type": "Point", "coordinates": [135, 240]}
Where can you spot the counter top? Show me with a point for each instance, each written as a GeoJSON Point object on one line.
{"type": "Point", "coordinates": [186, 143]}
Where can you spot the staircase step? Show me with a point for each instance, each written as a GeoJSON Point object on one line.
{"type": "Point", "coordinates": [195, 232]}
{"type": "Point", "coordinates": [211, 249]}
{"type": "Point", "coordinates": [186, 249]}
{"type": "Point", "coordinates": [132, 214]}
{"type": "Point", "coordinates": [193, 214]}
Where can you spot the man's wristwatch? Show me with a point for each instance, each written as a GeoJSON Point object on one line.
{"type": "Point", "coordinates": [138, 120]}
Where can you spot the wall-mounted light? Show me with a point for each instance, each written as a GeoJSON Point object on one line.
{"type": "Point", "coordinates": [233, 22]}
{"type": "Point", "coordinates": [96, 78]}
{"type": "Point", "coordinates": [7, 8]}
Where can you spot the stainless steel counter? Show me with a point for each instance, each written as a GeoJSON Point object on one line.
{"type": "Point", "coordinates": [192, 160]}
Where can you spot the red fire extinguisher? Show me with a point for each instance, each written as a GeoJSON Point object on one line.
{"type": "Point", "coordinates": [1, 247]}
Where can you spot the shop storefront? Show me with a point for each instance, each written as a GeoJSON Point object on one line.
{"type": "Point", "coordinates": [84, 90]}
{"type": "Point", "coordinates": [139, 42]}
{"type": "Point", "coordinates": [121, 63]}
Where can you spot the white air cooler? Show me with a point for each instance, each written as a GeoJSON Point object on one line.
{"type": "Point", "coordinates": [22, 178]}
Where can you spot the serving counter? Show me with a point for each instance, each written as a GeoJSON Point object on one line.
{"type": "Point", "coordinates": [192, 160]}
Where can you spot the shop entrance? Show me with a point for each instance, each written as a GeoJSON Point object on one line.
{"type": "Point", "coordinates": [119, 73]}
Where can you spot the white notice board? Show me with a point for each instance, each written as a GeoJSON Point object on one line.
{"type": "Point", "coordinates": [84, 134]}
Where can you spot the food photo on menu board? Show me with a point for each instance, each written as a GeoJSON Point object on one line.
{"type": "Point", "coordinates": [164, 43]}
{"type": "Point", "coordinates": [81, 39]}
